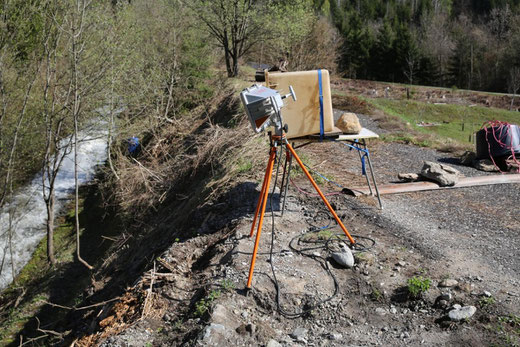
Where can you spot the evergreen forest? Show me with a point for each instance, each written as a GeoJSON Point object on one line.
{"type": "Point", "coordinates": [467, 44]}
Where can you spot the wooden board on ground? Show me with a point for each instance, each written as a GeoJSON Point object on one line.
{"type": "Point", "coordinates": [427, 185]}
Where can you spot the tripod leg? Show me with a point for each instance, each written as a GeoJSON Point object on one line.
{"type": "Point", "coordinates": [262, 191]}
{"type": "Point", "coordinates": [320, 194]}
{"type": "Point", "coordinates": [270, 167]}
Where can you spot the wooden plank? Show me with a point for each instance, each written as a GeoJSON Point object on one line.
{"type": "Point", "coordinates": [337, 135]}
{"type": "Point", "coordinates": [427, 185]}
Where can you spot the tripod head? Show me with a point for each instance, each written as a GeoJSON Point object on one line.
{"type": "Point", "coordinates": [263, 107]}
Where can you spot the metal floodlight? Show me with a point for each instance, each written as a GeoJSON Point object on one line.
{"type": "Point", "coordinates": [263, 106]}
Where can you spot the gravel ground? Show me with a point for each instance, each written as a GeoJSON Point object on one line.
{"type": "Point", "coordinates": [476, 228]}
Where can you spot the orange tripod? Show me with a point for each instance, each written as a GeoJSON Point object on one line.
{"type": "Point", "coordinates": [262, 200]}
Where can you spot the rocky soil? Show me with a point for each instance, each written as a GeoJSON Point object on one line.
{"type": "Point", "coordinates": [464, 242]}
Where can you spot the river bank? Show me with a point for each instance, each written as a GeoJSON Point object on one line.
{"type": "Point", "coordinates": [39, 287]}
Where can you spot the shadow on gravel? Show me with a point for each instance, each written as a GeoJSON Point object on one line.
{"type": "Point", "coordinates": [400, 295]}
{"type": "Point", "coordinates": [450, 161]}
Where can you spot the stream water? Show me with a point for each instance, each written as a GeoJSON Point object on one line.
{"type": "Point", "coordinates": [25, 215]}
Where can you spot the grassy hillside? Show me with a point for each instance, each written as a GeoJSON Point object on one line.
{"type": "Point", "coordinates": [456, 122]}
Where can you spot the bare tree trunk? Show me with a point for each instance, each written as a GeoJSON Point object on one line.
{"type": "Point", "coordinates": [50, 230]}
{"type": "Point", "coordinates": [111, 125]}
{"type": "Point", "coordinates": [77, 49]}
{"type": "Point", "coordinates": [10, 241]}
{"type": "Point", "coordinates": [227, 56]}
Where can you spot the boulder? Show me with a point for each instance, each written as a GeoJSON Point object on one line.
{"type": "Point", "coordinates": [349, 123]}
{"type": "Point", "coordinates": [443, 174]}
{"type": "Point", "coordinates": [344, 258]}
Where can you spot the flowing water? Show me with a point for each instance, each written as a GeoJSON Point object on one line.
{"type": "Point", "coordinates": [25, 216]}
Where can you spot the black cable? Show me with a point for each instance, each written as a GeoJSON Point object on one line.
{"type": "Point", "coordinates": [277, 286]}
{"type": "Point", "coordinates": [303, 251]}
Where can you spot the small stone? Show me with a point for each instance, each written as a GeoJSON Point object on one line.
{"type": "Point", "coordinates": [458, 314]}
{"type": "Point", "coordinates": [393, 310]}
{"type": "Point", "coordinates": [442, 303]}
{"type": "Point", "coordinates": [384, 329]}
{"type": "Point", "coordinates": [273, 343]}
{"type": "Point", "coordinates": [251, 328]}
{"type": "Point", "coordinates": [487, 294]}
{"type": "Point", "coordinates": [445, 296]}
{"type": "Point", "coordinates": [345, 258]}
{"type": "Point", "coordinates": [408, 177]}
{"type": "Point", "coordinates": [219, 328]}
{"type": "Point", "coordinates": [448, 283]}
{"type": "Point", "coordinates": [405, 335]}
{"type": "Point", "coordinates": [335, 336]}
{"type": "Point", "coordinates": [298, 334]}
{"type": "Point", "coordinates": [401, 263]}
{"type": "Point", "coordinates": [485, 165]}
{"type": "Point", "coordinates": [380, 311]}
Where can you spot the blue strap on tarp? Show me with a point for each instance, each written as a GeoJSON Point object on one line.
{"type": "Point", "coordinates": [321, 105]}
{"type": "Point", "coordinates": [363, 167]}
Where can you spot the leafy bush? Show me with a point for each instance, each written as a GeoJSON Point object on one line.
{"type": "Point", "coordinates": [203, 305]}
{"type": "Point", "coordinates": [418, 285]}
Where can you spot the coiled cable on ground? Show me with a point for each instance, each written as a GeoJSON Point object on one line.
{"type": "Point", "coordinates": [305, 252]}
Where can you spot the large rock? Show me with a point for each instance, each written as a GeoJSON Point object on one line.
{"type": "Point", "coordinates": [443, 174]}
{"type": "Point", "coordinates": [462, 313]}
{"type": "Point", "coordinates": [349, 123]}
{"type": "Point", "coordinates": [344, 258]}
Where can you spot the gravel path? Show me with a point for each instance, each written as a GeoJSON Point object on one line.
{"type": "Point", "coordinates": [476, 229]}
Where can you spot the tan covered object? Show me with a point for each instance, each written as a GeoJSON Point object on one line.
{"type": "Point", "coordinates": [303, 116]}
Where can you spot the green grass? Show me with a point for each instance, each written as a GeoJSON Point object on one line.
{"type": "Point", "coordinates": [322, 235]}
{"type": "Point", "coordinates": [203, 305]}
{"type": "Point", "coordinates": [450, 117]}
{"type": "Point", "coordinates": [485, 302]}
